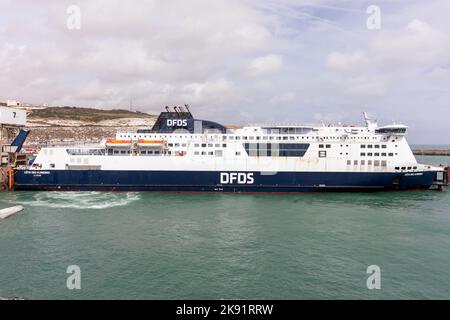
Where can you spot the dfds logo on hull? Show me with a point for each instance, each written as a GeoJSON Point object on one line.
{"type": "Point", "coordinates": [236, 177]}
{"type": "Point", "coordinates": [176, 123]}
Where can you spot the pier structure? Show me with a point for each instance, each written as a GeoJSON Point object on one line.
{"type": "Point", "coordinates": [12, 121]}
{"type": "Point", "coordinates": [431, 152]}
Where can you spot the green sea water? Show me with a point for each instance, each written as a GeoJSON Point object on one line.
{"type": "Point", "coordinates": [222, 246]}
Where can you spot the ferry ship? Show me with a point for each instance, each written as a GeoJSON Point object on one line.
{"type": "Point", "coordinates": [183, 154]}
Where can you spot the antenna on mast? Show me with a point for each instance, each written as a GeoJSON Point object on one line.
{"type": "Point", "coordinates": [187, 108]}
{"type": "Point", "coordinates": [371, 121]}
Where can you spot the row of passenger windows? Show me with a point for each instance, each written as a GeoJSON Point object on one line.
{"type": "Point", "coordinates": [177, 144]}
{"type": "Point", "coordinates": [247, 137]}
{"type": "Point", "coordinates": [209, 145]}
{"type": "Point", "coordinates": [377, 154]}
{"type": "Point", "coordinates": [376, 163]}
{"type": "Point", "coordinates": [376, 146]}
{"type": "Point", "coordinates": [126, 152]}
{"type": "Point", "coordinates": [406, 168]}
{"type": "Point", "coordinates": [291, 138]}
{"type": "Point", "coordinates": [276, 149]}
{"type": "Point", "coordinates": [363, 146]}
{"type": "Point", "coordinates": [217, 153]}
{"type": "Point", "coordinates": [149, 152]}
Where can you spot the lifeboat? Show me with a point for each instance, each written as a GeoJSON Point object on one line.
{"type": "Point", "coordinates": [118, 143]}
{"type": "Point", "coordinates": [150, 143]}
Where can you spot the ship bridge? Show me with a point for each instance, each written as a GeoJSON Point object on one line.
{"type": "Point", "coordinates": [393, 129]}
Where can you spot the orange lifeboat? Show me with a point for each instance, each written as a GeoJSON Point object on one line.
{"type": "Point", "coordinates": [150, 143]}
{"type": "Point", "coordinates": [118, 143]}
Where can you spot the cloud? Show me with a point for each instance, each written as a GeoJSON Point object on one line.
{"type": "Point", "coordinates": [266, 65]}
{"type": "Point", "coordinates": [347, 62]}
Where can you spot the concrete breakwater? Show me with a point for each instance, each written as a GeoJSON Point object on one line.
{"type": "Point", "coordinates": [431, 152]}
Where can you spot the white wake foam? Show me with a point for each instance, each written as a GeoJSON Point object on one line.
{"type": "Point", "coordinates": [80, 200]}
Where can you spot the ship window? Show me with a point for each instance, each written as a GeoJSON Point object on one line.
{"type": "Point", "coordinates": [238, 138]}
{"type": "Point", "coordinates": [170, 152]}
{"type": "Point", "coordinates": [414, 168]}
{"type": "Point", "coordinates": [369, 146]}
{"type": "Point", "coordinates": [383, 163]}
{"type": "Point", "coordinates": [384, 146]}
{"type": "Point", "coordinates": [210, 145]}
{"type": "Point", "coordinates": [355, 162]}
{"type": "Point", "coordinates": [170, 144]}
{"type": "Point", "coordinates": [251, 138]}
{"type": "Point", "coordinates": [183, 145]}
{"type": "Point", "coordinates": [409, 168]}
{"type": "Point", "coordinates": [363, 154]}
{"type": "Point", "coordinates": [376, 163]}
{"type": "Point", "coordinates": [257, 138]}
{"type": "Point", "coordinates": [231, 138]}
{"type": "Point", "coordinates": [203, 153]}
{"type": "Point", "coordinates": [150, 152]}
{"type": "Point", "coordinates": [369, 162]}
{"type": "Point", "coordinates": [328, 146]}
{"type": "Point", "coordinates": [363, 162]}
{"type": "Point", "coordinates": [349, 162]}
{"type": "Point", "coordinates": [210, 153]}
{"type": "Point", "coordinates": [363, 146]}
{"type": "Point", "coordinates": [370, 154]}
{"type": "Point", "coordinates": [218, 153]}
{"type": "Point", "coordinates": [285, 138]}
{"type": "Point", "coordinates": [403, 168]}
{"type": "Point", "coordinates": [245, 138]}
{"type": "Point", "coordinates": [143, 152]}
{"type": "Point", "coordinates": [156, 152]}
{"type": "Point", "coordinates": [322, 154]}
{"type": "Point", "coordinates": [52, 165]}
{"type": "Point", "coordinates": [377, 154]}
{"type": "Point", "coordinates": [238, 153]}
{"type": "Point", "coordinates": [383, 154]}
{"type": "Point", "coordinates": [203, 145]}
{"type": "Point", "coordinates": [116, 151]}
{"type": "Point", "coordinates": [217, 145]}
{"type": "Point", "coordinates": [196, 145]}
{"type": "Point", "coordinates": [377, 146]}
{"type": "Point", "coordinates": [177, 144]}
{"type": "Point", "coordinates": [397, 168]}
{"type": "Point", "coordinates": [320, 145]}
{"type": "Point", "coordinates": [224, 145]}
{"type": "Point", "coordinates": [196, 153]}
{"type": "Point", "coordinates": [391, 154]}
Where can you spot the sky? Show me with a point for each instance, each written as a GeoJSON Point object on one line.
{"type": "Point", "coordinates": [236, 62]}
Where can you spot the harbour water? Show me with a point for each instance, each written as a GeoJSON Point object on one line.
{"type": "Point", "coordinates": [214, 246]}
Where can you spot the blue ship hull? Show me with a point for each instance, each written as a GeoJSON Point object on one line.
{"type": "Point", "coordinates": [210, 181]}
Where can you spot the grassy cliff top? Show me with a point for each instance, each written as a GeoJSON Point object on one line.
{"type": "Point", "coordinates": [85, 114]}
